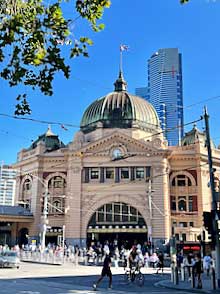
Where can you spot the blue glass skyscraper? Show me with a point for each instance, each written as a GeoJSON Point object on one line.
{"type": "Point", "coordinates": [142, 92]}
{"type": "Point", "coordinates": [165, 91]}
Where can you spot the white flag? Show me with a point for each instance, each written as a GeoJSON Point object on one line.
{"type": "Point", "coordinates": [124, 47]}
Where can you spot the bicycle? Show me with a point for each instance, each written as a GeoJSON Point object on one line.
{"type": "Point", "coordinates": [134, 275]}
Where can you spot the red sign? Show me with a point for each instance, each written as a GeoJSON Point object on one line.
{"type": "Point", "coordinates": [194, 247]}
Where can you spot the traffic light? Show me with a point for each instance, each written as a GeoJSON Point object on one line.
{"type": "Point", "coordinates": [208, 220]}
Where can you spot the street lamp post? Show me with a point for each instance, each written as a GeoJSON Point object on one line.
{"type": "Point", "coordinates": [63, 243]}
{"type": "Point", "coordinates": [149, 192]}
{"type": "Point", "coordinates": [44, 221]}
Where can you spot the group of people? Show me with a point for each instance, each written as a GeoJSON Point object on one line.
{"type": "Point", "coordinates": [133, 259]}
{"type": "Point", "coordinates": [96, 253]}
{"type": "Point", "coordinates": [195, 265]}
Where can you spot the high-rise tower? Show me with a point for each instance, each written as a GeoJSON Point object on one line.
{"type": "Point", "coordinates": [165, 91]}
{"type": "Point", "coordinates": [7, 185]}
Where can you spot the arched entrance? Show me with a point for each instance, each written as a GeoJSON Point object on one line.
{"type": "Point", "coordinates": [118, 223]}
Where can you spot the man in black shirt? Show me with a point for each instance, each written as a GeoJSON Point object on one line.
{"type": "Point", "coordinates": [106, 271]}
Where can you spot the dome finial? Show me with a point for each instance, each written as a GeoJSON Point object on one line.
{"type": "Point", "coordinates": [120, 84]}
{"type": "Point", "coordinates": [49, 131]}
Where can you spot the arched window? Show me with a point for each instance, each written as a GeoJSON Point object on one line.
{"type": "Point", "coordinates": [117, 212]}
{"type": "Point", "coordinates": [27, 185]}
{"type": "Point", "coordinates": [182, 203]}
{"type": "Point", "coordinates": [25, 195]}
{"type": "Point", "coordinates": [57, 182]}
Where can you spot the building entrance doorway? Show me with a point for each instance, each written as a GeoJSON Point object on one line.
{"type": "Point", "coordinates": [119, 224]}
{"type": "Point", "coordinates": [126, 239]}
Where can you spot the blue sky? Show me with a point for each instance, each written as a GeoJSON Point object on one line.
{"type": "Point", "coordinates": [146, 26]}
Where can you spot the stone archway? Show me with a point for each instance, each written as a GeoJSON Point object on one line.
{"type": "Point", "coordinates": [91, 206]}
{"type": "Point", "coordinates": [130, 229]}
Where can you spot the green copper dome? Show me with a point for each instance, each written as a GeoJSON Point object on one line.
{"type": "Point", "coordinates": [119, 109]}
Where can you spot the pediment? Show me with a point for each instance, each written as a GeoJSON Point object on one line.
{"type": "Point", "coordinates": [129, 145]}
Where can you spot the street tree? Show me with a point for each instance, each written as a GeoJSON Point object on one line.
{"type": "Point", "coordinates": [32, 33]}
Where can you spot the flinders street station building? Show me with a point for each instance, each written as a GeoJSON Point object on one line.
{"type": "Point", "coordinates": [116, 180]}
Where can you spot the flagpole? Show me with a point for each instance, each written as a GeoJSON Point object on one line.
{"type": "Point", "coordinates": [120, 60]}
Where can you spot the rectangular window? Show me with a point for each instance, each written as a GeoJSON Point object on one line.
{"type": "Point", "coordinates": [183, 224]}
{"type": "Point", "coordinates": [108, 212]}
{"type": "Point", "coordinates": [139, 173]}
{"type": "Point", "coordinates": [94, 173]}
{"type": "Point", "coordinates": [183, 237]}
{"type": "Point", "coordinates": [191, 224]}
{"type": "Point", "coordinates": [124, 213]}
{"type": "Point", "coordinates": [109, 173]}
{"type": "Point", "coordinates": [117, 215]}
{"type": "Point", "coordinates": [181, 182]}
{"type": "Point", "coordinates": [57, 184]}
{"type": "Point", "coordinates": [124, 173]}
{"type": "Point", "coordinates": [190, 204]}
{"type": "Point", "coordinates": [101, 216]}
{"type": "Point", "coordinates": [174, 223]}
{"type": "Point", "coordinates": [133, 214]}
{"type": "Point", "coordinates": [148, 172]}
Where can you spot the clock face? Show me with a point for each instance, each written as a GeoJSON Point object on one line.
{"type": "Point", "coordinates": [116, 153]}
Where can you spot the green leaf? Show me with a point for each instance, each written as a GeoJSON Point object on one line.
{"type": "Point", "coordinates": [29, 33]}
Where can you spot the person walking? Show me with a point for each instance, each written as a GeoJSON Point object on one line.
{"type": "Point", "coordinates": [197, 267]}
{"type": "Point", "coordinates": [106, 271]}
{"type": "Point", "coordinates": [207, 261]}
{"type": "Point", "coordinates": [160, 262]}
{"type": "Point", "coordinates": [189, 264]}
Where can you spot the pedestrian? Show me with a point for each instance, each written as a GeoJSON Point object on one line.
{"type": "Point", "coordinates": [160, 262]}
{"type": "Point", "coordinates": [207, 261]}
{"type": "Point", "coordinates": [189, 264]}
{"type": "Point", "coordinates": [197, 268]}
{"type": "Point", "coordinates": [116, 257]}
{"type": "Point", "coordinates": [179, 261]}
{"type": "Point", "coordinates": [106, 271]}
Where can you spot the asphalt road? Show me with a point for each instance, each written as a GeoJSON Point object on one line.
{"type": "Point", "coordinates": [44, 279]}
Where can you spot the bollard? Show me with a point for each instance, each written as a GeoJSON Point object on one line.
{"type": "Point", "coordinates": [193, 278]}
{"type": "Point", "coordinates": [182, 272]}
{"type": "Point", "coordinates": [172, 273]}
{"type": "Point", "coordinates": [213, 278]}
{"type": "Point", "coordinates": [176, 276]}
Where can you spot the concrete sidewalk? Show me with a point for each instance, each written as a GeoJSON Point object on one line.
{"type": "Point", "coordinates": [186, 286]}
